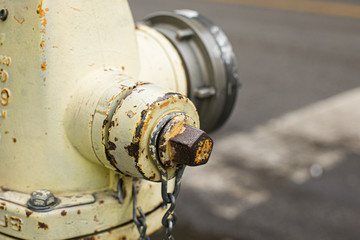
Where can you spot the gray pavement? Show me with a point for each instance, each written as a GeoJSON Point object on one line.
{"type": "Point", "coordinates": [271, 175]}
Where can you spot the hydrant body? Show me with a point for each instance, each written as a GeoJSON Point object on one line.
{"type": "Point", "coordinates": [84, 96]}
{"type": "Point", "coordinates": [47, 49]}
{"type": "Point", "coordinates": [53, 45]}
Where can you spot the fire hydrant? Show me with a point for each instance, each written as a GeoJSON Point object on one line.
{"type": "Point", "coordinates": [96, 111]}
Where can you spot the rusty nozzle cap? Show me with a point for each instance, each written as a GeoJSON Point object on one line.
{"type": "Point", "coordinates": [192, 147]}
{"type": "Point", "coordinates": [181, 143]}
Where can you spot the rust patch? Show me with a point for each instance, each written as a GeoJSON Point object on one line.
{"type": "Point", "coordinates": [75, 9]}
{"type": "Point", "coordinates": [105, 122]}
{"type": "Point", "coordinates": [116, 139]}
{"type": "Point", "coordinates": [164, 104]}
{"type": "Point", "coordinates": [122, 238]}
{"type": "Point", "coordinates": [153, 177]}
{"type": "Point", "coordinates": [123, 68]}
{"type": "Point", "coordinates": [28, 213]}
{"type": "Point", "coordinates": [101, 202]}
{"type": "Point", "coordinates": [203, 151]}
{"type": "Point", "coordinates": [14, 140]}
{"type": "Point", "coordinates": [44, 22]}
{"type": "Point", "coordinates": [42, 225]}
{"type": "Point", "coordinates": [63, 213]}
{"type": "Point", "coordinates": [112, 146]}
{"type": "Point", "coordinates": [3, 206]}
{"type": "Point", "coordinates": [79, 212]}
{"type": "Point", "coordinates": [40, 11]}
{"type": "Point", "coordinates": [6, 132]}
{"type": "Point", "coordinates": [95, 219]}
{"type": "Point", "coordinates": [133, 149]}
{"type": "Point", "coordinates": [43, 66]}
{"type": "Point", "coordinates": [191, 147]}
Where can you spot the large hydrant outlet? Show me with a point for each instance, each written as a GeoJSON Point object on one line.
{"type": "Point", "coordinates": [119, 116]}
{"type": "Point", "coordinates": [209, 60]}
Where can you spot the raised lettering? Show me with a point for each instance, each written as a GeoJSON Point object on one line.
{"type": "Point", "coordinates": [3, 115]}
{"type": "Point", "coordinates": [4, 222]}
{"type": "Point", "coordinates": [5, 60]}
{"type": "Point", "coordinates": [3, 75]}
{"type": "Point", "coordinates": [3, 206]}
{"type": "Point", "coordinates": [16, 224]}
{"type": "Point", "coordinates": [5, 97]}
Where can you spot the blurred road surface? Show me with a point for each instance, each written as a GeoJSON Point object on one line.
{"type": "Point", "coordinates": [285, 166]}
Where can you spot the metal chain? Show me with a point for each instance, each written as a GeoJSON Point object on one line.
{"type": "Point", "coordinates": [120, 191]}
{"type": "Point", "coordinates": [169, 219]}
{"type": "Point", "coordinates": [140, 221]}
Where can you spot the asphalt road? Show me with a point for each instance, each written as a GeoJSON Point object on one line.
{"type": "Point", "coordinates": [290, 57]}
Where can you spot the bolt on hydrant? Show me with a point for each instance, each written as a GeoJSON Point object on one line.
{"type": "Point", "coordinates": [98, 117]}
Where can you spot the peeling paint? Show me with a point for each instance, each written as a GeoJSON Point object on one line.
{"type": "Point", "coordinates": [134, 148]}
{"type": "Point", "coordinates": [28, 213]}
{"type": "Point", "coordinates": [43, 226]}
{"type": "Point", "coordinates": [43, 68]}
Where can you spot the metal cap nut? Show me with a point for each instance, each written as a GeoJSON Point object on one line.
{"type": "Point", "coordinates": [41, 199]}
{"type": "Point", "coordinates": [181, 143]}
{"type": "Point", "coordinates": [191, 147]}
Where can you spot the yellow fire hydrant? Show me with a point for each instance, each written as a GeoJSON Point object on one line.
{"type": "Point", "coordinates": [95, 112]}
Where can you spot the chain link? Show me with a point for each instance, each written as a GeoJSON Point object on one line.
{"type": "Point", "coordinates": [169, 219]}
{"type": "Point", "coordinates": [120, 191]}
{"type": "Point", "coordinates": [140, 221]}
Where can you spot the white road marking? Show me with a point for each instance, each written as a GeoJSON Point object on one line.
{"type": "Point", "coordinates": [289, 147]}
